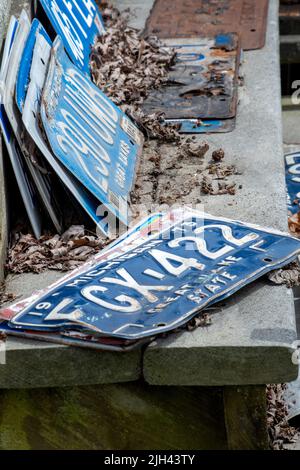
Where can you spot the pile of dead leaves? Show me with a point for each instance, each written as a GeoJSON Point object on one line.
{"type": "Point", "coordinates": [126, 67]}
{"type": "Point", "coordinates": [289, 275]}
{"type": "Point", "coordinates": [214, 180]}
{"type": "Point", "coordinates": [61, 252]}
{"type": "Point", "coordinates": [280, 432]}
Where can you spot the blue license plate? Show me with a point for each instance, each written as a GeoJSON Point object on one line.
{"type": "Point", "coordinates": [78, 22]}
{"type": "Point", "coordinates": [292, 175]}
{"type": "Point", "coordinates": [89, 134]}
{"type": "Point", "coordinates": [159, 284]}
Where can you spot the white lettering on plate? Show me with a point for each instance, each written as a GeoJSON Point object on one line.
{"type": "Point", "coordinates": [69, 31]}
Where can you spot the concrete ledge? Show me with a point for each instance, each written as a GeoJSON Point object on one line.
{"type": "Point", "coordinates": [48, 365]}
{"type": "Point", "coordinates": [245, 345]}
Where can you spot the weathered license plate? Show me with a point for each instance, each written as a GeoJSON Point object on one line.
{"type": "Point", "coordinates": [17, 159]}
{"type": "Point", "coordinates": [177, 18]}
{"type": "Point", "coordinates": [203, 81]}
{"type": "Point", "coordinates": [292, 175]}
{"type": "Point", "coordinates": [78, 22]}
{"type": "Point", "coordinates": [75, 338]}
{"type": "Point", "coordinates": [31, 75]}
{"type": "Point", "coordinates": [89, 134]}
{"type": "Point", "coordinates": [159, 284]}
{"type": "Point", "coordinates": [30, 82]}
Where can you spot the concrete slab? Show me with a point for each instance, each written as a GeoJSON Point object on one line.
{"type": "Point", "coordinates": [250, 339]}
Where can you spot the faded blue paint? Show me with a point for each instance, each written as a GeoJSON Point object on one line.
{"type": "Point", "coordinates": [78, 22]}
{"type": "Point", "coordinates": [86, 132]}
{"type": "Point", "coordinates": [26, 60]}
{"type": "Point", "coordinates": [203, 126]}
{"type": "Point", "coordinates": [161, 283]}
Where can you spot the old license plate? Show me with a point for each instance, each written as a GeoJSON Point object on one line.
{"type": "Point", "coordinates": [90, 135]}
{"type": "Point", "coordinates": [292, 175]}
{"type": "Point", "coordinates": [132, 238]}
{"type": "Point", "coordinates": [78, 22]}
{"type": "Point", "coordinates": [13, 63]}
{"type": "Point", "coordinates": [23, 178]}
{"type": "Point", "coordinates": [177, 18]}
{"type": "Point", "coordinates": [161, 283]}
{"type": "Point", "coordinates": [31, 72]}
{"type": "Point", "coordinates": [202, 83]}
{"type": "Point", "coordinates": [29, 90]}
{"type": "Point", "coordinates": [24, 77]}
{"type": "Point", "coordinates": [75, 338]}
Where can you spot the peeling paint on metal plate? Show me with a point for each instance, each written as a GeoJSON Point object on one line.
{"type": "Point", "coordinates": [158, 285]}
{"type": "Point", "coordinates": [188, 18]}
{"type": "Point", "coordinates": [38, 51]}
{"type": "Point", "coordinates": [202, 83]}
{"type": "Point", "coordinates": [40, 179]}
{"type": "Point", "coordinates": [11, 31]}
{"type": "Point", "coordinates": [23, 77]}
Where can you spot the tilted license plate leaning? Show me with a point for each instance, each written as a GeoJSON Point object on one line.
{"type": "Point", "coordinates": [89, 134]}
{"type": "Point", "coordinates": [30, 82]}
{"type": "Point", "coordinates": [78, 22]}
{"type": "Point", "coordinates": [292, 176]}
{"type": "Point", "coordinates": [32, 70]}
{"type": "Point", "coordinates": [27, 190]}
{"type": "Point", "coordinates": [163, 281]}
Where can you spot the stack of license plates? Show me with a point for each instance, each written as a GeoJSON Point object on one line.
{"type": "Point", "coordinates": [57, 124]}
{"type": "Point", "coordinates": [152, 280]}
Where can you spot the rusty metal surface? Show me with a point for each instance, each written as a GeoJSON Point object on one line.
{"type": "Point", "coordinates": [206, 18]}
{"type": "Point", "coordinates": [203, 81]}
